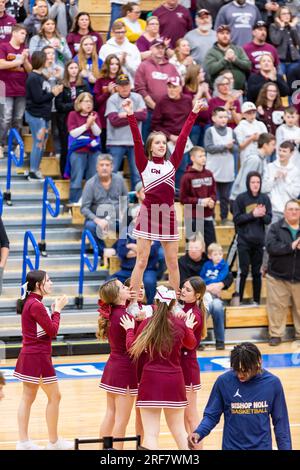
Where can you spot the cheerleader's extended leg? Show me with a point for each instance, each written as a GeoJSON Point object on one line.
{"type": "Point", "coordinates": [52, 410]}
{"type": "Point", "coordinates": [142, 256]}
{"type": "Point", "coordinates": [175, 422]}
{"type": "Point", "coordinates": [151, 424]}
{"type": "Point", "coordinates": [171, 257]}
{"type": "Point", "coordinates": [29, 395]}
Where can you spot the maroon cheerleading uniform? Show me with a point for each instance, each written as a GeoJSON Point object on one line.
{"type": "Point", "coordinates": [38, 329]}
{"type": "Point", "coordinates": [162, 381]}
{"type": "Point", "coordinates": [189, 362]}
{"type": "Point", "coordinates": [157, 217]}
{"type": "Point", "coordinates": [119, 375]}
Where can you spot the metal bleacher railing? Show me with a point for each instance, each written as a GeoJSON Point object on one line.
{"type": "Point", "coordinates": [26, 258]}
{"type": "Point", "coordinates": [84, 260]}
{"type": "Point", "coordinates": [12, 158]}
{"type": "Point", "coordinates": [108, 441]}
{"type": "Point", "coordinates": [47, 207]}
{"type": "Point", "coordinates": [1, 203]}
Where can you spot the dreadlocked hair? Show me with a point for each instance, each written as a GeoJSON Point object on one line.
{"type": "Point", "coordinates": [158, 335]}
{"type": "Point", "coordinates": [108, 293]}
{"type": "Point", "coordinates": [245, 357]}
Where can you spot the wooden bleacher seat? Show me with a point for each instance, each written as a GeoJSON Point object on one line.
{"type": "Point", "coordinates": [251, 317]}
{"type": "Point", "coordinates": [27, 139]}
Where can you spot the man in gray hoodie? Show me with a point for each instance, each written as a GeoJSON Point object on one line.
{"type": "Point", "coordinates": [256, 162]}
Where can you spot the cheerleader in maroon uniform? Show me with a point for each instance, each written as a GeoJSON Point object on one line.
{"type": "Point", "coordinates": [191, 295]}
{"type": "Point", "coordinates": [162, 383]}
{"type": "Point", "coordinates": [119, 375]}
{"type": "Point", "coordinates": [34, 366]}
{"type": "Point", "coordinates": [157, 218]}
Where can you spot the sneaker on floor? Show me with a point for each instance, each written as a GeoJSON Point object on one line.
{"type": "Point", "coordinates": [35, 176]}
{"type": "Point", "coordinates": [220, 345]}
{"type": "Point", "coordinates": [60, 444]}
{"type": "Point", "coordinates": [28, 445]}
{"type": "Point", "coordinates": [274, 341]}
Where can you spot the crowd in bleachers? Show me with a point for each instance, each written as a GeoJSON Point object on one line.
{"type": "Point", "coordinates": [242, 58]}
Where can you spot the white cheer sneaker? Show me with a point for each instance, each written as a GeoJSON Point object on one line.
{"type": "Point", "coordinates": [60, 444]}
{"type": "Point", "coordinates": [28, 445]}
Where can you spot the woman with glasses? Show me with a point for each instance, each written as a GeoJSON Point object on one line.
{"type": "Point", "coordinates": [223, 98]}
{"type": "Point", "coordinates": [132, 22]}
{"type": "Point", "coordinates": [149, 35]}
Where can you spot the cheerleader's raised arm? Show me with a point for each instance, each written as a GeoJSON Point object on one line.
{"type": "Point", "coordinates": [140, 158]}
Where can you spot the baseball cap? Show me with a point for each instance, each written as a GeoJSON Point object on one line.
{"type": "Point", "coordinates": [260, 24]}
{"type": "Point", "coordinates": [122, 79]}
{"type": "Point", "coordinates": [248, 106]}
{"type": "Point", "coordinates": [203, 12]}
{"type": "Point", "coordinates": [175, 81]}
{"type": "Point", "coordinates": [223, 27]}
{"type": "Point", "coordinates": [158, 42]}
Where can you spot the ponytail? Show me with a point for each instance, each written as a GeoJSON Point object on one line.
{"type": "Point", "coordinates": [34, 279]}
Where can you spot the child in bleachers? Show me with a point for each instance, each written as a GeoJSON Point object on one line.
{"type": "Point", "coordinates": [219, 141]}
{"type": "Point", "coordinates": [198, 189]}
{"type": "Point", "coordinates": [216, 269]}
{"type": "Point", "coordinates": [248, 131]}
{"type": "Point", "coordinates": [290, 130]}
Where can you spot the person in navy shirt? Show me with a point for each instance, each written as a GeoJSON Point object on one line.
{"type": "Point", "coordinates": [248, 395]}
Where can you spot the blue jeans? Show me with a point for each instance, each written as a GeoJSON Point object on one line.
{"type": "Point", "coordinates": [92, 226]}
{"type": "Point", "coordinates": [39, 130]}
{"type": "Point", "coordinates": [149, 280]}
{"type": "Point", "coordinates": [161, 264]}
{"type": "Point", "coordinates": [181, 169]}
{"type": "Point", "coordinates": [216, 310]}
{"type": "Point", "coordinates": [146, 125]}
{"type": "Point", "coordinates": [82, 164]}
{"type": "Point", "coordinates": [118, 153]}
{"type": "Point", "coordinates": [197, 134]}
{"type": "Point", "coordinates": [115, 13]}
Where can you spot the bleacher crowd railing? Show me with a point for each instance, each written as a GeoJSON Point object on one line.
{"type": "Point", "coordinates": [84, 260]}
{"type": "Point", "coordinates": [26, 257]}
{"type": "Point", "coordinates": [12, 158]}
{"type": "Point", "coordinates": [47, 207]}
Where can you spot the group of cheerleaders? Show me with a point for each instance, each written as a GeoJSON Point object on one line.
{"type": "Point", "coordinates": [153, 348]}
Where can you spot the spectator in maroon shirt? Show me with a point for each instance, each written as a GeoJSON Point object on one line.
{"type": "Point", "coordinates": [145, 40]}
{"type": "Point", "coordinates": [224, 99]}
{"type": "Point", "coordinates": [269, 107]}
{"type": "Point", "coordinates": [197, 88]}
{"type": "Point", "coordinates": [259, 46]}
{"type": "Point", "coordinates": [6, 23]}
{"type": "Point", "coordinates": [174, 19]}
{"type": "Point", "coordinates": [84, 143]}
{"type": "Point", "coordinates": [169, 117]}
{"type": "Point", "coordinates": [151, 80]}
{"type": "Point", "coordinates": [14, 65]}
{"type": "Point", "coordinates": [105, 86]}
{"type": "Point", "coordinates": [82, 27]}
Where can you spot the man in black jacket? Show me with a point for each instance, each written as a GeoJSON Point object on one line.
{"type": "Point", "coordinates": [190, 265]}
{"type": "Point", "coordinates": [283, 278]}
{"type": "Point", "coordinates": [252, 211]}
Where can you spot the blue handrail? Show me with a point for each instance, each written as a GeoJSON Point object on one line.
{"type": "Point", "coordinates": [85, 260]}
{"type": "Point", "coordinates": [12, 157]}
{"type": "Point", "coordinates": [26, 259]}
{"type": "Point", "coordinates": [1, 203]}
{"type": "Point", "coordinates": [47, 207]}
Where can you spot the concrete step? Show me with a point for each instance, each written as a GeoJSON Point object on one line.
{"type": "Point", "coordinates": [65, 235]}
{"type": "Point", "coordinates": [69, 288]}
{"type": "Point", "coordinates": [72, 322]}
{"type": "Point", "coordinates": [36, 220]}
{"type": "Point", "coordinates": [22, 184]}
{"type": "Point", "coordinates": [8, 303]}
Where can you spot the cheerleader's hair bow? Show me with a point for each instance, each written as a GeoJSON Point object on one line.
{"type": "Point", "coordinates": [104, 309]}
{"type": "Point", "coordinates": [24, 290]}
{"type": "Point", "coordinates": [165, 295]}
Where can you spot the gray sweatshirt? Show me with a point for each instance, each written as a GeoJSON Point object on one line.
{"type": "Point", "coordinates": [254, 162]}
{"type": "Point", "coordinates": [241, 19]}
{"type": "Point", "coordinates": [200, 44]}
{"type": "Point", "coordinates": [94, 195]}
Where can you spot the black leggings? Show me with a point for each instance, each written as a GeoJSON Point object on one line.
{"type": "Point", "coordinates": [250, 254]}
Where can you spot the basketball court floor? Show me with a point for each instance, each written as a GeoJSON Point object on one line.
{"type": "Point", "coordinates": [83, 402]}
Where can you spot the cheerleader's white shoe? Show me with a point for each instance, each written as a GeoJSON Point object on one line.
{"type": "Point", "coordinates": [60, 444]}
{"type": "Point", "coordinates": [28, 445]}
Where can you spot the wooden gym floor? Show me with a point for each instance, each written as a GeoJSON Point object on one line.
{"type": "Point", "coordinates": [83, 403]}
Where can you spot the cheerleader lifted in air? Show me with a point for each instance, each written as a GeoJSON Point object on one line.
{"type": "Point", "coordinates": [157, 218]}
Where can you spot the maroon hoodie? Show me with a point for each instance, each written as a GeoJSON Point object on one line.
{"type": "Point", "coordinates": [197, 185]}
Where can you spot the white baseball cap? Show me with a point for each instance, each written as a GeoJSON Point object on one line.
{"type": "Point", "coordinates": [248, 106]}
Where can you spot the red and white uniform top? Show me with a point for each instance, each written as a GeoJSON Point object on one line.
{"type": "Point", "coordinates": [158, 174]}
{"type": "Point", "coordinates": [39, 326]}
